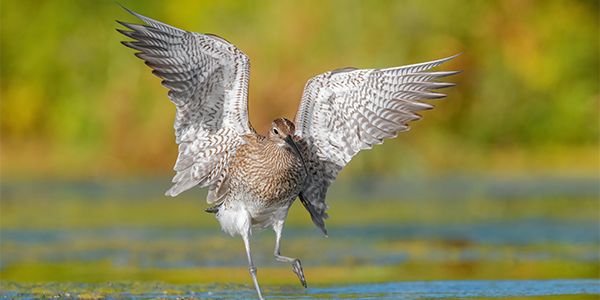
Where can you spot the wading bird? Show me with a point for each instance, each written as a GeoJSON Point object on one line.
{"type": "Point", "coordinates": [253, 179]}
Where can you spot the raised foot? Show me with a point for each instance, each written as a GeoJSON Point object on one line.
{"type": "Point", "coordinates": [297, 268]}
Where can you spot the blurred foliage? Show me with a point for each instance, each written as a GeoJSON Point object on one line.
{"type": "Point", "coordinates": [76, 102]}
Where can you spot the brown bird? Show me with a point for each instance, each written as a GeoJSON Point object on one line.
{"type": "Point", "coordinates": [253, 179]}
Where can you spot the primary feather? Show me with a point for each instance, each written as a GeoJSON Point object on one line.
{"type": "Point", "coordinates": [207, 78]}
{"type": "Point", "coordinates": [348, 110]}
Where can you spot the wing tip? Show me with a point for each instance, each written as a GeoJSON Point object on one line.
{"type": "Point", "coordinates": [171, 193]}
{"type": "Point", "coordinates": [425, 65]}
{"type": "Point", "coordinates": [124, 32]}
{"type": "Point", "coordinates": [163, 27]}
{"type": "Point", "coordinates": [452, 56]}
{"type": "Point", "coordinates": [449, 58]}
{"type": "Point", "coordinates": [130, 11]}
{"type": "Point", "coordinates": [175, 190]}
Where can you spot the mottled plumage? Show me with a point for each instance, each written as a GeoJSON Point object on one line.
{"type": "Point", "coordinates": [254, 179]}
{"type": "Point", "coordinates": [348, 110]}
{"type": "Point", "coordinates": [207, 78]}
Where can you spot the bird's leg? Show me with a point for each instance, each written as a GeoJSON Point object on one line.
{"type": "Point", "coordinates": [251, 266]}
{"type": "Point", "coordinates": [296, 265]}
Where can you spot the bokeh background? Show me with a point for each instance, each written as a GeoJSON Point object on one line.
{"type": "Point", "coordinates": [501, 180]}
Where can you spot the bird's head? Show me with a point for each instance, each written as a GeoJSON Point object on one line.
{"type": "Point", "coordinates": [282, 132]}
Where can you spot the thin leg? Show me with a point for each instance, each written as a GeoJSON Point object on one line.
{"type": "Point", "coordinates": [251, 266]}
{"type": "Point", "coordinates": [296, 265]}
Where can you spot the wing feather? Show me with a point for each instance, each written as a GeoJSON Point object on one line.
{"type": "Point", "coordinates": [207, 78]}
{"type": "Point", "coordinates": [348, 110]}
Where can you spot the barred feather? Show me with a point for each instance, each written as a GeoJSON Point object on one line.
{"type": "Point", "coordinates": [348, 110]}
{"type": "Point", "coordinates": [207, 78]}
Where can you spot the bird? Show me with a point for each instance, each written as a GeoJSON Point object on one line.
{"type": "Point", "coordinates": [254, 178]}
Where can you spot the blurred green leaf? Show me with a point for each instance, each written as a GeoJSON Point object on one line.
{"type": "Point", "coordinates": [72, 96]}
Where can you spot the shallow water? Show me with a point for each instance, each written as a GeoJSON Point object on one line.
{"type": "Point", "coordinates": [373, 244]}
{"type": "Point", "coordinates": [393, 290]}
{"type": "Point", "coordinates": [91, 241]}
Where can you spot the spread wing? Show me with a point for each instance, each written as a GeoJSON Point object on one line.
{"type": "Point", "coordinates": [348, 110]}
{"type": "Point", "coordinates": [207, 78]}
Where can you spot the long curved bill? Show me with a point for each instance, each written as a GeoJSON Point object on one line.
{"type": "Point", "coordinates": [290, 141]}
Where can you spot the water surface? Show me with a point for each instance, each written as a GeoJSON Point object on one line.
{"type": "Point", "coordinates": [394, 290]}
{"type": "Point", "coordinates": [505, 239]}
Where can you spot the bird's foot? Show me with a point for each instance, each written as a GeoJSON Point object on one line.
{"type": "Point", "coordinates": [297, 268]}
{"type": "Point", "coordinates": [213, 209]}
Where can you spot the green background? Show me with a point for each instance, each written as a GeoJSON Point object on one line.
{"type": "Point", "coordinates": [76, 103]}
{"type": "Point", "coordinates": [87, 145]}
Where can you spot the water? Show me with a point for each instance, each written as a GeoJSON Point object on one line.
{"type": "Point", "coordinates": [372, 244]}
{"type": "Point", "coordinates": [93, 241]}
{"type": "Point", "coordinates": [393, 290]}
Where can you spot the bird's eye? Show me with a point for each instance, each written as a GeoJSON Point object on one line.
{"type": "Point", "coordinates": [275, 131]}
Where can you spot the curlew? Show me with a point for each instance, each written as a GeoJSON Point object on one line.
{"type": "Point", "coordinates": [253, 179]}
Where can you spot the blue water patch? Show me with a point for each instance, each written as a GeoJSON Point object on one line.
{"type": "Point", "coordinates": [524, 231]}
{"type": "Point", "coordinates": [392, 290]}
{"type": "Point", "coordinates": [463, 289]}
{"type": "Point", "coordinates": [152, 246]}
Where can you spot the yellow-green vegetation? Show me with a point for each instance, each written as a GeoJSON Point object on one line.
{"type": "Point", "coordinates": [187, 212]}
{"type": "Point", "coordinates": [76, 103]}
{"type": "Point", "coordinates": [318, 275]}
{"type": "Point", "coordinates": [77, 107]}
